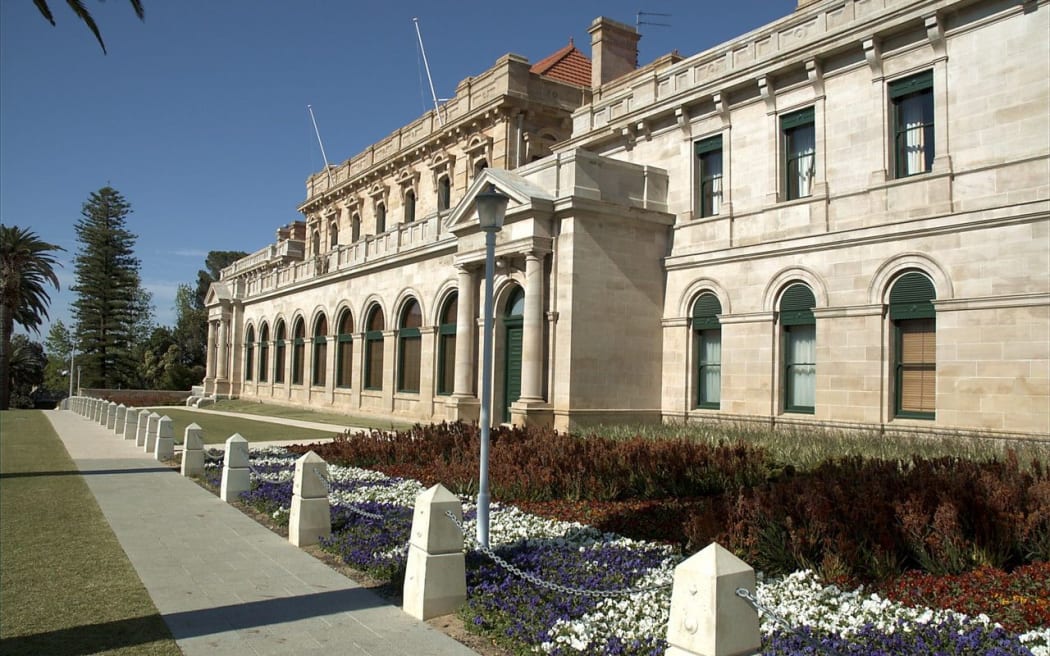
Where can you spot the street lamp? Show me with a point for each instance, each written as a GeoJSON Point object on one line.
{"type": "Point", "coordinates": [72, 359]}
{"type": "Point", "coordinates": [492, 207]}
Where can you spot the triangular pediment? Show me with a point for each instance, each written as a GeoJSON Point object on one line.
{"type": "Point", "coordinates": [521, 192]}
{"type": "Point", "coordinates": [217, 293]}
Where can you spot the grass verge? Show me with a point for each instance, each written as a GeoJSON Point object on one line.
{"type": "Point", "coordinates": [287, 412]}
{"type": "Point", "coordinates": [218, 428]}
{"type": "Point", "coordinates": [66, 586]}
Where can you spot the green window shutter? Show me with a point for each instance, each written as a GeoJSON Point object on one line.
{"type": "Point", "coordinates": [911, 84]}
{"type": "Point", "coordinates": [796, 306]}
{"type": "Point", "coordinates": [705, 312]}
{"type": "Point", "coordinates": [912, 297]}
{"type": "Point", "coordinates": [709, 145]}
{"type": "Point", "coordinates": [795, 119]}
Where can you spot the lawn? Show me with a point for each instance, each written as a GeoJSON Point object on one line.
{"type": "Point", "coordinates": [218, 428]}
{"type": "Point", "coordinates": [66, 586]}
{"type": "Point", "coordinates": [304, 414]}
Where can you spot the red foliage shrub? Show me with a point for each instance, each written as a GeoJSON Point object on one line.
{"type": "Point", "coordinates": [857, 519]}
{"type": "Point", "coordinates": [1019, 600]}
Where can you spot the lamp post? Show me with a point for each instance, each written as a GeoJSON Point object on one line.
{"type": "Point", "coordinates": [492, 207]}
{"type": "Point", "coordinates": [72, 360]}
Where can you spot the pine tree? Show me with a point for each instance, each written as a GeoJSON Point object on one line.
{"type": "Point", "coordinates": [111, 304]}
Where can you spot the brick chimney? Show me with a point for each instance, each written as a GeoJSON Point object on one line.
{"type": "Point", "coordinates": [614, 50]}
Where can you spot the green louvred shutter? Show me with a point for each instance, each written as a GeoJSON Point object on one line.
{"type": "Point", "coordinates": [796, 306]}
{"type": "Point", "coordinates": [795, 119]}
{"type": "Point", "coordinates": [706, 311]}
{"type": "Point", "coordinates": [912, 297]}
{"type": "Point", "coordinates": [911, 84]}
{"type": "Point", "coordinates": [708, 145]}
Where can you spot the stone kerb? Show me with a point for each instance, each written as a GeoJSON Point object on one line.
{"type": "Point", "coordinates": [111, 416]}
{"type": "Point", "coordinates": [435, 574]}
{"type": "Point", "coordinates": [165, 448]}
{"type": "Point", "coordinates": [150, 445]}
{"type": "Point", "coordinates": [707, 617]}
{"type": "Point", "coordinates": [118, 425]}
{"type": "Point", "coordinates": [193, 451]}
{"type": "Point", "coordinates": [311, 515]}
{"type": "Point", "coordinates": [236, 475]}
{"type": "Point", "coordinates": [140, 429]}
{"type": "Point", "coordinates": [131, 422]}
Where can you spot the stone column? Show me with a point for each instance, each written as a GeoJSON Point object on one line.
{"type": "Point", "coordinates": [389, 368]}
{"type": "Point", "coordinates": [210, 366]}
{"type": "Point", "coordinates": [465, 323]}
{"type": "Point", "coordinates": [221, 355]}
{"type": "Point", "coordinates": [532, 324]}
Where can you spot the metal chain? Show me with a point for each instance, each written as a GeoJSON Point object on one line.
{"type": "Point", "coordinates": [557, 587]}
{"type": "Point", "coordinates": [209, 455]}
{"type": "Point", "coordinates": [746, 595]}
{"type": "Point", "coordinates": [328, 487]}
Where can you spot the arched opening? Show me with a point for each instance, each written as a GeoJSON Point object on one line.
{"type": "Point", "coordinates": [409, 348]}
{"type": "Point", "coordinates": [446, 374]}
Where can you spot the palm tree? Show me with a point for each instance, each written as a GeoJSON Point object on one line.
{"type": "Point", "coordinates": [83, 14]}
{"type": "Point", "coordinates": [26, 266]}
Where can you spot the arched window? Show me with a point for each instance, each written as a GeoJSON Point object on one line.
{"type": "Point", "coordinates": [333, 235]}
{"type": "Point", "coordinates": [799, 348]}
{"type": "Point", "coordinates": [249, 353]}
{"type": "Point", "coordinates": [707, 336]}
{"type": "Point", "coordinates": [409, 348]}
{"type": "Point", "coordinates": [380, 218]}
{"type": "Point", "coordinates": [513, 322]}
{"type": "Point", "coordinates": [915, 346]}
{"type": "Point", "coordinates": [298, 351]}
{"type": "Point", "coordinates": [444, 193]}
{"type": "Point", "coordinates": [480, 166]}
{"type": "Point", "coordinates": [316, 243]}
{"type": "Point", "coordinates": [447, 346]}
{"type": "Point", "coordinates": [355, 228]}
{"type": "Point", "coordinates": [344, 351]}
{"type": "Point", "coordinates": [410, 206]}
{"type": "Point", "coordinates": [280, 360]}
{"type": "Point", "coordinates": [264, 353]}
{"type": "Point", "coordinates": [374, 350]}
{"type": "Point", "coordinates": [320, 370]}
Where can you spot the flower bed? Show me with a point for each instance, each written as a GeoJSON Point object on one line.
{"type": "Point", "coordinates": [528, 619]}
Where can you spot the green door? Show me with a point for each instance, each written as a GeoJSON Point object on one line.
{"type": "Point", "coordinates": [512, 365]}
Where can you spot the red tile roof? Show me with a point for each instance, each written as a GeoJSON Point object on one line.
{"type": "Point", "coordinates": [567, 65]}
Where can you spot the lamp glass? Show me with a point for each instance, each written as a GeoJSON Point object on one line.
{"type": "Point", "coordinates": [492, 208]}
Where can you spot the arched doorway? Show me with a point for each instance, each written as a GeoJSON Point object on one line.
{"type": "Point", "coordinates": [513, 320]}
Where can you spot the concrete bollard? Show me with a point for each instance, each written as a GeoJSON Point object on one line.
{"type": "Point", "coordinates": [151, 432]}
{"type": "Point", "coordinates": [236, 475]}
{"type": "Point", "coordinates": [140, 428]}
{"type": "Point", "coordinates": [111, 416]}
{"type": "Point", "coordinates": [311, 514]}
{"type": "Point", "coordinates": [118, 425]}
{"type": "Point", "coordinates": [707, 617]}
{"type": "Point", "coordinates": [131, 422]}
{"type": "Point", "coordinates": [193, 451]}
{"type": "Point", "coordinates": [103, 415]}
{"type": "Point", "coordinates": [435, 574]}
{"type": "Point", "coordinates": [165, 448]}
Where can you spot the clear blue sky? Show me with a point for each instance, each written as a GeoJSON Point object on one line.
{"type": "Point", "coordinates": [198, 115]}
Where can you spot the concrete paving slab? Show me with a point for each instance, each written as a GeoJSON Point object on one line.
{"type": "Point", "coordinates": [273, 598]}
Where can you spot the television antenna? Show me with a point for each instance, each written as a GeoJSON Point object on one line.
{"type": "Point", "coordinates": [641, 16]}
{"type": "Point", "coordinates": [433, 94]}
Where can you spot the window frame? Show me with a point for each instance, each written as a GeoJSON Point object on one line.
{"type": "Point", "coordinates": [911, 301]}
{"type": "Point", "coordinates": [791, 127]}
{"type": "Point", "coordinates": [298, 352]}
{"type": "Point", "coordinates": [447, 335]}
{"type": "Point", "coordinates": [344, 349]}
{"type": "Point", "coordinates": [914, 88]}
{"type": "Point", "coordinates": [444, 193]}
{"type": "Point", "coordinates": [704, 150]}
{"type": "Point", "coordinates": [796, 310]}
{"type": "Point", "coordinates": [703, 324]}
{"type": "Point", "coordinates": [249, 354]}
{"type": "Point", "coordinates": [264, 354]}
{"type": "Point", "coordinates": [280, 338]}
{"type": "Point", "coordinates": [374, 337]}
{"type": "Point", "coordinates": [319, 353]}
{"type": "Point", "coordinates": [409, 336]}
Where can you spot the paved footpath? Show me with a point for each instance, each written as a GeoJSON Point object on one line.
{"type": "Point", "coordinates": [225, 585]}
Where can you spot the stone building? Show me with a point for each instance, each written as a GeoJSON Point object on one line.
{"type": "Point", "coordinates": [842, 218]}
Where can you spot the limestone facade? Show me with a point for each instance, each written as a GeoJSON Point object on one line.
{"type": "Point", "coordinates": [841, 218]}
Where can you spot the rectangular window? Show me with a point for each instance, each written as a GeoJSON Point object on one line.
{"type": "Point", "coordinates": [916, 368]}
{"type": "Point", "coordinates": [912, 100]}
{"type": "Point", "coordinates": [374, 361]}
{"type": "Point", "coordinates": [345, 357]}
{"type": "Point", "coordinates": [709, 176]}
{"type": "Point", "coordinates": [800, 360]}
{"type": "Point", "coordinates": [709, 379]}
{"type": "Point", "coordinates": [446, 361]}
{"type": "Point", "coordinates": [411, 357]}
{"type": "Point", "coordinates": [799, 137]}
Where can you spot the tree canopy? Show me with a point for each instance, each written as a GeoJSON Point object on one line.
{"type": "Point", "coordinates": [84, 15]}
{"type": "Point", "coordinates": [27, 268]}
